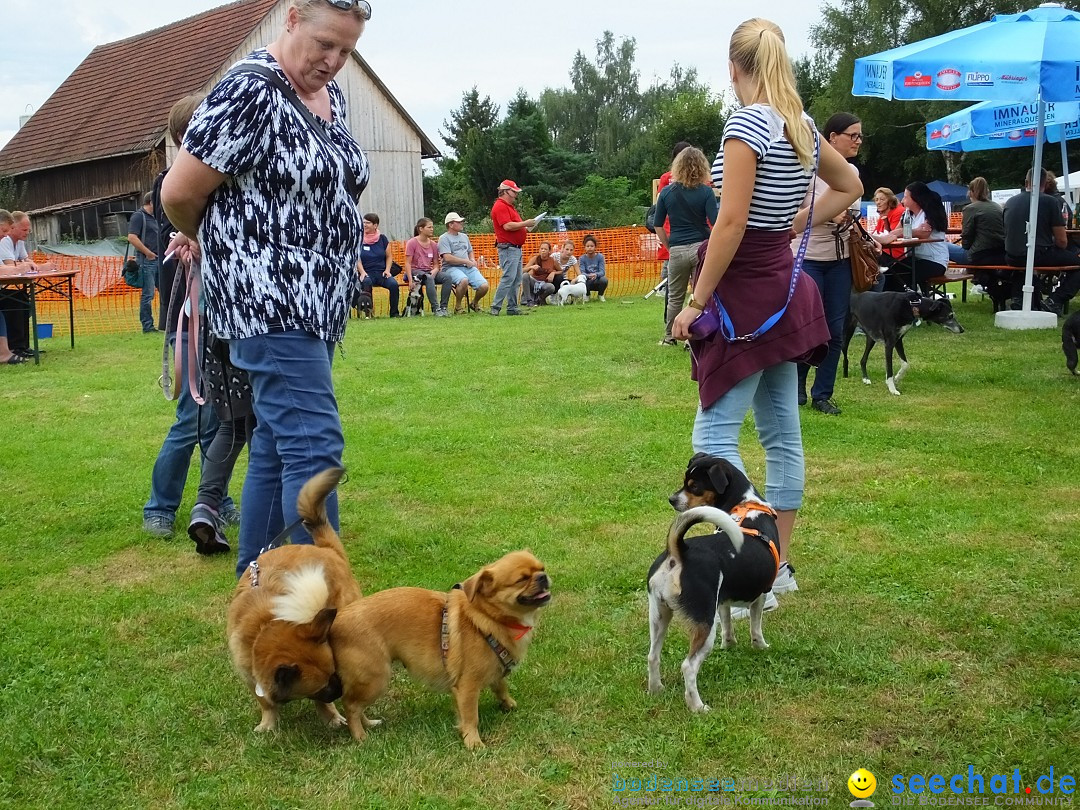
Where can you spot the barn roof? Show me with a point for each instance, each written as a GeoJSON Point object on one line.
{"type": "Point", "coordinates": [117, 101]}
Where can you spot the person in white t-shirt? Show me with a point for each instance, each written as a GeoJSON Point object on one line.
{"type": "Point", "coordinates": [15, 304]}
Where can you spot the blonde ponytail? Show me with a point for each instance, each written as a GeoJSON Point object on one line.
{"type": "Point", "coordinates": [758, 50]}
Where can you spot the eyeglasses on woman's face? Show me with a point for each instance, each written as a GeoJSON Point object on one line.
{"type": "Point", "coordinates": [346, 5]}
{"type": "Point", "coordinates": [856, 137]}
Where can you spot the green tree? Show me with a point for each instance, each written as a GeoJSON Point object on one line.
{"type": "Point", "coordinates": [474, 113]}
{"type": "Point", "coordinates": [12, 194]}
{"type": "Point", "coordinates": [611, 202]}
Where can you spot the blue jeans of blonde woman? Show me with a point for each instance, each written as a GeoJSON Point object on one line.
{"type": "Point", "coordinates": [770, 394]}
{"type": "Point", "coordinates": [298, 433]}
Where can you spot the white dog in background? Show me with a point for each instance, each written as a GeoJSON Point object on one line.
{"type": "Point", "coordinates": [568, 291]}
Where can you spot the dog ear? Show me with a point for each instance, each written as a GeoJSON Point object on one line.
{"type": "Point", "coordinates": [477, 584]}
{"type": "Point", "coordinates": [718, 475]}
{"type": "Point", "coordinates": [286, 675]}
{"type": "Point", "coordinates": [319, 627]}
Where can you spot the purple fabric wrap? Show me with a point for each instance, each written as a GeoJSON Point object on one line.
{"type": "Point", "coordinates": [752, 290]}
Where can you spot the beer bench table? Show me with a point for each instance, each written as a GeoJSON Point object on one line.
{"type": "Point", "coordinates": [45, 279]}
{"type": "Point", "coordinates": [960, 272]}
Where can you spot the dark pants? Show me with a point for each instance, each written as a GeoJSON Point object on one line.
{"type": "Point", "coordinates": [833, 281]}
{"type": "Point", "coordinates": [389, 283]}
{"type": "Point", "coordinates": [1047, 257]}
{"type": "Point", "coordinates": [997, 283]}
{"type": "Point", "coordinates": [220, 459]}
{"type": "Point", "coordinates": [15, 309]}
{"type": "Point", "coordinates": [913, 272]}
{"type": "Point", "coordinates": [597, 285]}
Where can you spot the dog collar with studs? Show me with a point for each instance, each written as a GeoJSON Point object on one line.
{"type": "Point", "coordinates": [507, 660]}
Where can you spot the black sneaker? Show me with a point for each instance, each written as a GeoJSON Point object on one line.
{"type": "Point", "coordinates": [826, 406]}
{"type": "Point", "coordinates": [1050, 305]}
{"type": "Point", "coordinates": [802, 398]}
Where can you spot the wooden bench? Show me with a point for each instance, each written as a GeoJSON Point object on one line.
{"type": "Point", "coordinates": [958, 272]}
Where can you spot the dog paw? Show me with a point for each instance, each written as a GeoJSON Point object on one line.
{"type": "Point", "coordinates": [265, 726]}
{"type": "Point", "coordinates": [473, 742]}
{"type": "Point", "coordinates": [655, 687]}
{"type": "Point", "coordinates": [760, 644]}
{"type": "Point", "coordinates": [699, 708]}
{"type": "Point", "coordinates": [508, 705]}
{"type": "Point", "coordinates": [866, 381]}
{"type": "Point", "coordinates": [727, 644]}
{"type": "Point", "coordinates": [370, 722]}
{"type": "Point", "coordinates": [336, 722]}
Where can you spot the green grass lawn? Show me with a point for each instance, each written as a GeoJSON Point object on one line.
{"type": "Point", "coordinates": [936, 626]}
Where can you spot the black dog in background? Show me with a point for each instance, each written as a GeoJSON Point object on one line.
{"type": "Point", "coordinates": [1070, 340]}
{"type": "Point", "coordinates": [886, 317]}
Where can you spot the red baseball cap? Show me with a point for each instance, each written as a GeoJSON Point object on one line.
{"type": "Point", "coordinates": [508, 185]}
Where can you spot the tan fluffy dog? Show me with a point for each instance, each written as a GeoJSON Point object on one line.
{"type": "Point", "coordinates": [461, 641]}
{"type": "Point", "coordinates": [282, 611]}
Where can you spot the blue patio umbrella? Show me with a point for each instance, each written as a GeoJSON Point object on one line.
{"type": "Point", "coordinates": [992, 125]}
{"type": "Point", "coordinates": [1032, 56]}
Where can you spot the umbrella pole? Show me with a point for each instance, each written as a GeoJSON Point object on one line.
{"type": "Point", "coordinates": [1065, 166]}
{"type": "Point", "coordinates": [1033, 209]}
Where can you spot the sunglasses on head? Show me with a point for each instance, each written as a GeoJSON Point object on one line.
{"type": "Point", "coordinates": [346, 5]}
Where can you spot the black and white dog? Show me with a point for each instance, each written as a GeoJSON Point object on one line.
{"type": "Point", "coordinates": [1070, 340]}
{"type": "Point", "coordinates": [886, 317]}
{"type": "Point", "coordinates": [701, 577]}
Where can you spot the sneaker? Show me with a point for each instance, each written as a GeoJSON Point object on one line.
{"type": "Point", "coordinates": [158, 525]}
{"type": "Point", "coordinates": [826, 406]}
{"type": "Point", "coordinates": [858, 331]}
{"type": "Point", "coordinates": [601, 298]}
{"type": "Point", "coordinates": [785, 579]}
{"type": "Point", "coordinates": [442, 312]}
{"type": "Point", "coordinates": [494, 311]}
{"type": "Point", "coordinates": [668, 342]}
{"type": "Point", "coordinates": [229, 516]}
{"type": "Point", "coordinates": [744, 612]}
{"type": "Point", "coordinates": [802, 398]}
{"type": "Point", "coordinates": [204, 530]}
{"type": "Point", "coordinates": [516, 312]}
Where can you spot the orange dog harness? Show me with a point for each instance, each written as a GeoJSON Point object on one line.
{"type": "Point", "coordinates": [740, 513]}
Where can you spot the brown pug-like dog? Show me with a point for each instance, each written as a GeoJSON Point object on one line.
{"type": "Point", "coordinates": [487, 628]}
{"type": "Point", "coordinates": [282, 611]}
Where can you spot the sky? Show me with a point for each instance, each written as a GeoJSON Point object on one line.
{"type": "Point", "coordinates": [472, 42]}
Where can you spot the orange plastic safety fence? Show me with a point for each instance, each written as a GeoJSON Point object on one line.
{"type": "Point", "coordinates": [104, 304]}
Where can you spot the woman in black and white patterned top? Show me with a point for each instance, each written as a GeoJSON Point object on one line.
{"type": "Point", "coordinates": [273, 207]}
{"type": "Point", "coordinates": [764, 168]}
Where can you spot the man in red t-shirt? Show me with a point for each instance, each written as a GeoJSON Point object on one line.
{"type": "Point", "coordinates": [510, 233]}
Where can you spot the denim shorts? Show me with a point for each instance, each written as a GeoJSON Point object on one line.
{"type": "Point", "coordinates": [459, 274]}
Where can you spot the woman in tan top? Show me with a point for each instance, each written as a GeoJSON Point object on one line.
{"type": "Point", "coordinates": [543, 275]}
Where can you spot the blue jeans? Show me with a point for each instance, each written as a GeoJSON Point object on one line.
{"type": "Point", "coordinates": [298, 433]}
{"type": "Point", "coordinates": [833, 281]}
{"type": "Point", "coordinates": [957, 253]}
{"type": "Point", "coordinates": [771, 395]}
{"type": "Point", "coordinates": [148, 270]}
{"type": "Point", "coordinates": [171, 467]}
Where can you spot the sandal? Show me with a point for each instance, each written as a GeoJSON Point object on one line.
{"type": "Point", "coordinates": [15, 360]}
{"type": "Point", "coordinates": [668, 342]}
{"type": "Point", "coordinates": [474, 308]}
{"type": "Point", "coordinates": [460, 310]}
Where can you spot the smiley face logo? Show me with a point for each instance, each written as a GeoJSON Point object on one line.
{"type": "Point", "coordinates": [862, 784]}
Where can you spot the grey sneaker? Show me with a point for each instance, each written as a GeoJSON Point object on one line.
{"type": "Point", "coordinates": [204, 530]}
{"type": "Point", "coordinates": [441, 312]}
{"type": "Point", "coordinates": [158, 525]}
{"type": "Point", "coordinates": [785, 579]}
{"type": "Point", "coordinates": [602, 298]}
{"type": "Point", "coordinates": [229, 516]}
{"type": "Point", "coordinates": [744, 612]}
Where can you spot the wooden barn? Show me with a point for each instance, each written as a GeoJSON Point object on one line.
{"type": "Point", "coordinates": [87, 155]}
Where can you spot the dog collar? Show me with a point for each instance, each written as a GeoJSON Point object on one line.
{"type": "Point", "coordinates": [507, 660]}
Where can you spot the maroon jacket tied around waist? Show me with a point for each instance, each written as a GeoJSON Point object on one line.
{"type": "Point", "coordinates": [753, 289]}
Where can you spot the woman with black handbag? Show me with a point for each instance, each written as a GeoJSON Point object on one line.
{"type": "Point", "coordinates": [828, 264]}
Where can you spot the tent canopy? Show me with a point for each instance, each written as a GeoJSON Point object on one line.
{"type": "Point", "coordinates": [949, 192]}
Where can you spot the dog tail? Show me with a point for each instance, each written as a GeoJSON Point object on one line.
{"type": "Point", "coordinates": [305, 594]}
{"type": "Point", "coordinates": [701, 514]}
{"type": "Point", "coordinates": [311, 506]}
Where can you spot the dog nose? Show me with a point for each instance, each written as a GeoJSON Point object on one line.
{"type": "Point", "coordinates": [673, 499]}
{"type": "Point", "coordinates": [331, 692]}
{"type": "Point", "coordinates": [543, 581]}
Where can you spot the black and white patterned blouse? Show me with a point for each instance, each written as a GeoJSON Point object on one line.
{"type": "Point", "coordinates": [280, 237]}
